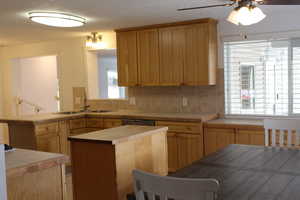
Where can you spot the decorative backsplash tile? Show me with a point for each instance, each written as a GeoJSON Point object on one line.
{"type": "Point", "coordinates": [170, 99]}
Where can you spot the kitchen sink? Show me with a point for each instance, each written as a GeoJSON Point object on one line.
{"type": "Point", "coordinates": [100, 111]}
{"type": "Point", "coordinates": [69, 112]}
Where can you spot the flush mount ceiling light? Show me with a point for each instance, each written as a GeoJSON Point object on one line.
{"type": "Point", "coordinates": [246, 12]}
{"type": "Point", "coordinates": [57, 19]}
{"type": "Point", "coordinates": [94, 41]}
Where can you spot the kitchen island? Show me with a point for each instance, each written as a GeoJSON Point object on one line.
{"type": "Point", "coordinates": [35, 175]}
{"type": "Point", "coordinates": [102, 161]}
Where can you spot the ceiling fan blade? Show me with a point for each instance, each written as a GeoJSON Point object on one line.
{"type": "Point", "coordinates": [200, 7]}
{"type": "Point", "coordinates": [281, 2]}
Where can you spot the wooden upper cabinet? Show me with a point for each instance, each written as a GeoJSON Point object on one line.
{"type": "Point", "coordinates": [182, 53]}
{"type": "Point", "coordinates": [171, 55]}
{"type": "Point", "coordinates": [197, 68]}
{"type": "Point", "coordinates": [127, 58]}
{"type": "Point", "coordinates": [148, 57]}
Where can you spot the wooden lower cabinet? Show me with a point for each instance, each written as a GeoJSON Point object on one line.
{"type": "Point", "coordinates": [250, 137]}
{"type": "Point", "coordinates": [172, 152]}
{"type": "Point", "coordinates": [111, 123]}
{"type": "Point", "coordinates": [190, 149]}
{"type": "Point", "coordinates": [217, 138]}
{"type": "Point", "coordinates": [48, 143]}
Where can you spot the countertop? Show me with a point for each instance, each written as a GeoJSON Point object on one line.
{"type": "Point", "coordinates": [52, 117]}
{"type": "Point", "coordinates": [119, 134]}
{"type": "Point", "coordinates": [234, 123]}
{"type": "Point", "coordinates": [23, 161]}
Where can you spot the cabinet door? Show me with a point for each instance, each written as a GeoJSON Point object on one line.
{"type": "Point", "coordinates": [127, 58]}
{"type": "Point", "coordinates": [172, 152]}
{"type": "Point", "coordinates": [48, 143]}
{"type": "Point", "coordinates": [148, 57]}
{"type": "Point", "coordinates": [196, 62]}
{"type": "Point", "coordinates": [171, 55]}
{"type": "Point", "coordinates": [215, 139]}
{"type": "Point", "coordinates": [250, 137]}
{"type": "Point", "coordinates": [111, 123]}
{"type": "Point", "coordinates": [190, 148]}
{"type": "Point", "coordinates": [64, 132]}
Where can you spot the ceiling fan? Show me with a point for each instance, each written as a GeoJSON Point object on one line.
{"type": "Point", "coordinates": [246, 12]}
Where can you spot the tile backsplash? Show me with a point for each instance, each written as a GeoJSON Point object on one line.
{"type": "Point", "coordinates": [184, 99]}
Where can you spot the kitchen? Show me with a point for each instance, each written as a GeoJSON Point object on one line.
{"type": "Point", "coordinates": [160, 82]}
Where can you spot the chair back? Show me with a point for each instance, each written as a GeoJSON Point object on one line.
{"type": "Point", "coordinates": [155, 187]}
{"type": "Point", "coordinates": [282, 132]}
{"type": "Point", "coordinates": [3, 192]}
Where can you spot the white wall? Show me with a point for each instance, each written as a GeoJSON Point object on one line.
{"type": "Point", "coordinates": [36, 81]}
{"type": "Point", "coordinates": [71, 61]}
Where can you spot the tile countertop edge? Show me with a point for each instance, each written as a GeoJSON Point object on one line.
{"type": "Point", "coordinates": [102, 135]}
{"type": "Point", "coordinates": [35, 165]}
{"type": "Point", "coordinates": [235, 123]}
{"type": "Point", "coordinates": [186, 117]}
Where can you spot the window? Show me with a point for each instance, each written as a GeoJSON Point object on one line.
{"type": "Point", "coordinates": [108, 77]}
{"type": "Point", "coordinates": [262, 77]}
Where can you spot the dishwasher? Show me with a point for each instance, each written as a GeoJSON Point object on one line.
{"type": "Point", "coordinates": [141, 122]}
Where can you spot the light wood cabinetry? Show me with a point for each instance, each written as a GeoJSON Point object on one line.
{"type": "Point", "coordinates": [103, 165]}
{"type": "Point", "coordinates": [183, 53]}
{"type": "Point", "coordinates": [111, 123]}
{"type": "Point", "coordinates": [190, 148]}
{"type": "Point", "coordinates": [47, 138]}
{"type": "Point", "coordinates": [171, 55]}
{"type": "Point", "coordinates": [48, 143]}
{"type": "Point", "coordinates": [185, 143]}
{"type": "Point", "coordinates": [127, 58]}
{"type": "Point", "coordinates": [201, 54]}
{"type": "Point", "coordinates": [250, 137]}
{"type": "Point", "coordinates": [217, 138]}
{"type": "Point", "coordinates": [148, 57]}
{"type": "Point", "coordinates": [94, 123]}
{"type": "Point", "coordinates": [222, 132]}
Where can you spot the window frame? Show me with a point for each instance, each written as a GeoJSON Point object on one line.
{"type": "Point", "coordinates": [290, 111]}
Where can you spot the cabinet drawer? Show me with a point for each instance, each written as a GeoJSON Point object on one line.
{"type": "Point", "coordinates": [182, 127]}
{"type": "Point", "coordinates": [82, 131]}
{"type": "Point", "coordinates": [111, 123]}
{"type": "Point", "coordinates": [77, 123]}
{"type": "Point", "coordinates": [46, 128]}
{"type": "Point", "coordinates": [94, 123]}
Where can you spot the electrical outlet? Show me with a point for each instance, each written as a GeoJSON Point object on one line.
{"type": "Point", "coordinates": [132, 100]}
{"type": "Point", "coordinates": [184, 101]}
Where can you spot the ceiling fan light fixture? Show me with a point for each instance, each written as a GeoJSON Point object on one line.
{"type": "Point", "coordinates": [246, 15]}
{"type": "Point", "coordinates": [233, 17]}
{"type": "Point", "coordinates": [56, 19]}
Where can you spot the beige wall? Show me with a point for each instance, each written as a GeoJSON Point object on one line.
{"type": "Point", "coordinates": [71, 67]}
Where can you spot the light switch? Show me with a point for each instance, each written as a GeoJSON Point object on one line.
{"type": "Point", "coordinates": [184, 101]}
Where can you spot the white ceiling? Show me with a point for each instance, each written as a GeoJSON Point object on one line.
{"type": "Point", "coordinates": [106, 15]}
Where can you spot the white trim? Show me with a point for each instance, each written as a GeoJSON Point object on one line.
{"type": "Point", "coordinates": [261, 36]}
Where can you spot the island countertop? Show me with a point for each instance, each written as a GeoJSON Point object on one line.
{"type": "Point", "coordinates": [21, 161]}
{"type": "Point", "coordinates": [119, 134]}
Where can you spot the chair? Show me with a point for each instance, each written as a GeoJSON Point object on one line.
{"type": "Point", "coordinates": [154, 187]}
{"type": "Point", "coordinates": [3, 192]}
{"type": "Point", "coordinates": [287, 129]}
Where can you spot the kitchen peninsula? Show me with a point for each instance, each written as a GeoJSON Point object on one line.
{"type": "Point", "coordinates": [49, 132]}
{"type": "Point", "coordinates": [103, 160]}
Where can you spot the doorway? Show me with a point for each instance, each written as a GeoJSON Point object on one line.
{"type": "Point", "coordinates": [35, 85]}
